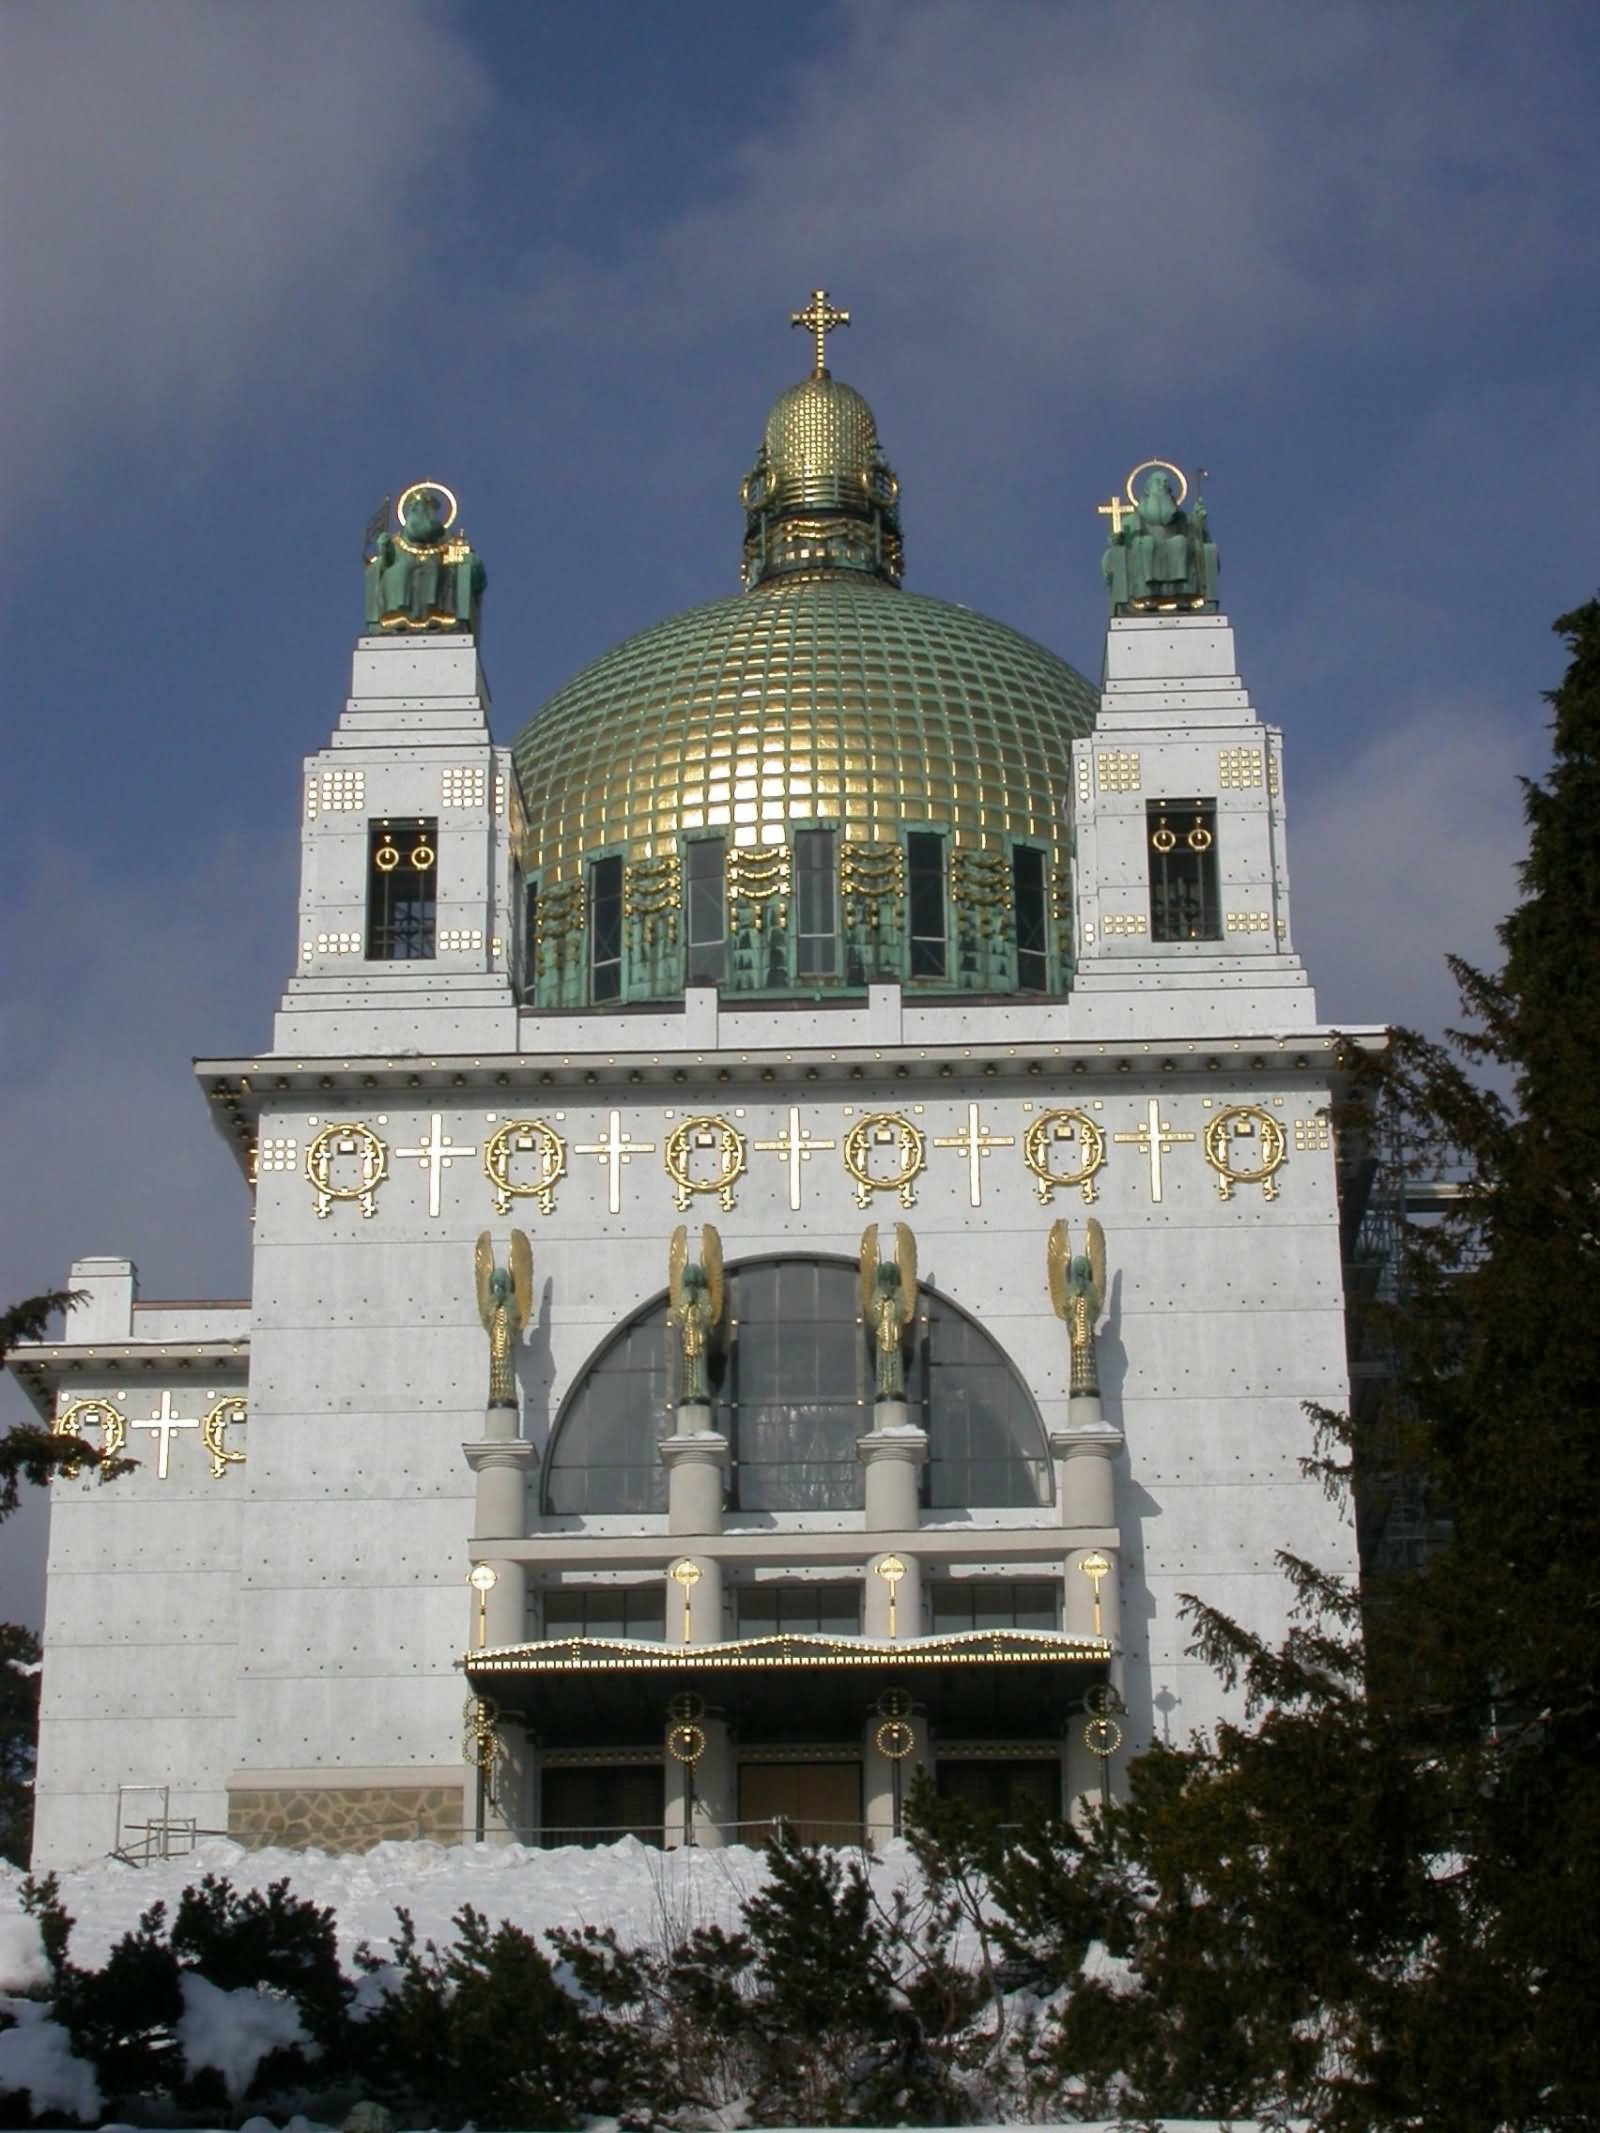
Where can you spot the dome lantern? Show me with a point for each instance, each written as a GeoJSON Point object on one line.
{"type": "Point", "coordinates": [821, 496]}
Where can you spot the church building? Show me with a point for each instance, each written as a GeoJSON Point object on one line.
{"type": "Point", "coordinates": [794, 1219]}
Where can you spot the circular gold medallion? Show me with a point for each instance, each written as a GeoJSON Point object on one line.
{"type": "Point", "coordinates": [1074, 1132]}
{"type": "Point", "coordinates": [1245, 1146]}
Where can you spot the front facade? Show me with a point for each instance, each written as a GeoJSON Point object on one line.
{"type": "Point", "coordinates": [794, 1218]}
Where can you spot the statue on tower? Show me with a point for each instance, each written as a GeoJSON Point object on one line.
{"type": "Point", "coordinates": [424, 576]}
{"type": "Point", "coordinates": [505, 1298]}
{"type": "Point", "coordinates": [889, 1305]}
{"type": "Point", "coordinates": [1078, 1292]}
{"type": "Point", "coordinates": [1161, 558]}
{"type": "Point", "coordinates": [695, 1293]}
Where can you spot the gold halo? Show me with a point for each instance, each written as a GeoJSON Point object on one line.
{"type": "Point", "coordinates": [1165, 465]}
{"type": "Point", "coordinates": [455, 508]}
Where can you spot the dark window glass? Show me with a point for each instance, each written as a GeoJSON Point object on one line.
{"type": "Point", "coordinates": [1184, 901]}
{"type": "Point", "coordinates": [598, 1803]}
{"type": "Point", "coordinates": [824, 1610]}
{"type": "Point", "coordinates": [792, 1392]}
{"type": "Point", "coordinates": [605, 929]}
{"type": "Point", "coordinates": [1033, 939]}
{"type": "Point", "coordinates": [925, 897]}
{"type": "Point", "coordinates": [530, 938]}
{"type": "Point", "coordinates": [402, 888]}
{"type": "Point", "coordinates": [992, 1603]}
{"type": "Point", "coordinates": [816, 947]}
{"type": "Point", "coordinates": [705, 910]}
{"type": "Point", "coordinates": [607, 1611]}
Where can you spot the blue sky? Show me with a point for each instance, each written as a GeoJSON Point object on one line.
{"type": "Point", "coordinates": [267, 263]}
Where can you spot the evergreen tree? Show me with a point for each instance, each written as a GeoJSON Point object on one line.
{"type": "Point", "coordinates": [1409, 1839]}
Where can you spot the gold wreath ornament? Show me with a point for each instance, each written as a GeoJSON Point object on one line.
{"type": "Point", "coordinates": [884, 1129]}
{"type": "Point", "coordinates": [702, 1135]}
{"type": "Point", "coordinates": [213, 1424]}
{"type": "Point", "coordinates": [1056, 1129]}
{"type": "Point", "coordinates": [525, 1136]}
{"type": "Point", "coordinates": [1260, 1135]}
{"type": "Point", "coordinates": [80, 1415]}
{"type": "Point", "coordinates": [347, 1138]}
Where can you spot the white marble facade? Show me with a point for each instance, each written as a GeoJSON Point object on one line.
{"type": "Point", "coordinates": [297, 1620]}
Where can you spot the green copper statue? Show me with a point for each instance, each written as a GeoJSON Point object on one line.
{"type": "Point", "coordinates": [1160, 558]}
{"type": "Point", "coordinates": [425, 576]}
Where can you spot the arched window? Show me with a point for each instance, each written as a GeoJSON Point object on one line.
{"type": "Point", "coordinates": [792, 1392]}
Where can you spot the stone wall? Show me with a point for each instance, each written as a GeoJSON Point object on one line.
{"type": "Point", "coordinates": [345, 1818]}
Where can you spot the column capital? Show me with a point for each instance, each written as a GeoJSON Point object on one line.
{"type": "Point", "coordinates": [692, 1446]}
{"type": "Point", "coordinates": [904, 1441]}
{"type": "Point", "coordinates": [1103, 1438]}
{"type": "Point", "coordinates": [498, 1452]}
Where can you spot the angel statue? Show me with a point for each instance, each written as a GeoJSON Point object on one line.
{"type": "Point", "coordinates": [1078, 1291]}
{"type": "Point", "coordinates": [505, 1297]}
{"type": "Point", "coordinates": [695, 1290]}
{"type": "Point", "coordinates": [889, 1304]}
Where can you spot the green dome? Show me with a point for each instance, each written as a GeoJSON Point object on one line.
{"type": "Point", "coordinates": [827, 698]}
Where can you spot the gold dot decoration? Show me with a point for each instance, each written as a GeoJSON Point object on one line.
{"type": "Point", "coordinates": [1070, 1139]}
{"type": "Point", "coordinates": [1245, 1146]}
{"type": "Point", "coordinates": [868, 1138]}
{"type": "Point", "coordinates": [533, 1138]}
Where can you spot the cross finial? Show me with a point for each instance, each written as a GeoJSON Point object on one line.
{"type": "Point", "coordinates": [819, 319]}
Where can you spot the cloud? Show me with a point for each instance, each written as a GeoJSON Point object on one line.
{"type": "Point", "coordinates": [1405, 853]}
{"type": "Point", "coordinates": [208, 200]}
{"type": "Point", "coordinates": [1159, 192]}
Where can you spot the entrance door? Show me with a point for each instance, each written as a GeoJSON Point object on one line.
{"type": "Point", "coordinates": [820, 1802]}
{"type": "Point", "coordinates": [590, 1804]}
{"type": "Point", "coordinates": [1001, 1786]}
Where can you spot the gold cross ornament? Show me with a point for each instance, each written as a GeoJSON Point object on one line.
{"type": "Point", "coordinates": [1117, 510]}
{"type": "Point", "coordinates": [819, 319]}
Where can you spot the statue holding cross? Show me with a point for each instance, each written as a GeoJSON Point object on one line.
{"type": "Point", "coordinates": [1160, 558]}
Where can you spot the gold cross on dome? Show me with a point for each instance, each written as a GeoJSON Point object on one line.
{"type": "Point", "coordinates": [1117, 510]}
{"type": "Point", "coordinates": [819, 318]}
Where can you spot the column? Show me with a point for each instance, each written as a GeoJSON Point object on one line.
{"type": "Point", "coordinates": [893, 1451]}
{"type": "Point", "coordinates": [694, 1616]}
{"type": "Point", "coordinates": [696, 1459]}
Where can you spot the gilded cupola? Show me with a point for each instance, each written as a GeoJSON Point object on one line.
{"type": "Point", "coordinates": [822, 781]}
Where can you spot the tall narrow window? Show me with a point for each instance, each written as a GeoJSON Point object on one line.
{"type": "Point", "coordinates": [1184, 902]}
{"type": "Point", "coordinates": [1033, 938]}
{"type": "Point", "coordinates": [816, 901]}
{"type": "Point", "coordinates": [605, 929]}
{"type": "Point", "coordinates": [925, 899]}
{"type": "Point", "coordinates": [402, 888]}
{"type": "Point", "coordinates": [529, 966]}
{"type": "Point", "coordinates": [705, 906]}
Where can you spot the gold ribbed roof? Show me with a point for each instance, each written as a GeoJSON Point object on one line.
{"type": "Point", "coordinates": [825, 697]}
{"type": "Point", "coordinates": [820, 439]}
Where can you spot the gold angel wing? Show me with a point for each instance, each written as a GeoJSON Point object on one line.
{"type": "Point", "coordinates": [521, 1276]}
{"type": "Point", "coordinates": [482, 1268]}
{"type": "Point", "coordinates": [1096, 1248]}
{"type": "Point", "coordinates": [677, 1260]}
{"type": "Point", "coordinates": [1058, 1258]}
{"type": "Point", "coordinates": [905, 1255]}
{"type": "Point", "coordinates": [869, 1270]}
{"type": "Point", "coordinates": [711, 1267]}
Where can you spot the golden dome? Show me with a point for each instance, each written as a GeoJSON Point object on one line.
{"type": "Point", "coordinates": [821, 443]}
{"type": "Point", "coordinates": [829, 697]}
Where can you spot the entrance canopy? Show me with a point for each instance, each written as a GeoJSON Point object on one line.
{"type": "Point", "coordinates": [1012, 1684]}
